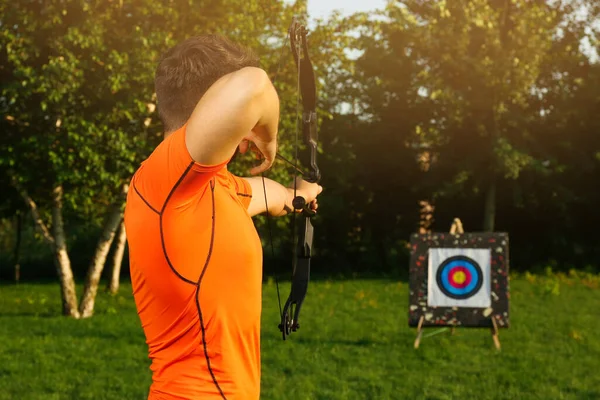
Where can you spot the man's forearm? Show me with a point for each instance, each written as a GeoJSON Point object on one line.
{"type": "Point", "coordinates": [268, 101]}
{"type": "Point", "coordinates": [273, 198]}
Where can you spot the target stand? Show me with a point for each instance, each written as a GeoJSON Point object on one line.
{"type": "Point", "coordinates": [458, 279]}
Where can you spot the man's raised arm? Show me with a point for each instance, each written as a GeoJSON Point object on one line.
{"type": "Point", "coordinates": [241, 106]}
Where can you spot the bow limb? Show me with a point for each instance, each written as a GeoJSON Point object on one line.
{"type": "Point", "coordinates": [308, 92]}
{"type": "Point", "coordinates": [303, 250]}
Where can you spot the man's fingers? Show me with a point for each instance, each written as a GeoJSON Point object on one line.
{"type": "Point", "coordinates": [244, 145]}
{"type": "Point", "coordinates": [264, 151]}
{"type": "Point", "coordinates": [257, 153]}
{"type": "Point", "coordinates": [265, 165]}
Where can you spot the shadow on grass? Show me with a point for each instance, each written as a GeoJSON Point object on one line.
{"type": "Point", "coordinates": [582, 394]}
{"type": "Point", "coordinates": [20, 314]}
{"type": "Point", "coordinates": [349, 342]}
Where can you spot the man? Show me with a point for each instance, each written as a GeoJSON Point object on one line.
{"type": "Point", "coordinates": [195, 255]}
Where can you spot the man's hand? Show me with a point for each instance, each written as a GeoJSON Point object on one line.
{"type": "Point", "coordinates": [308, 190]}
{"type": "Point", "coordinates": [279, 198]}
{"type": "Point", "coordinates": [264, 150]}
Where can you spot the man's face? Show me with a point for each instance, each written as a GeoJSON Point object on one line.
{"type": "Point", "coordinates": [235, 153]}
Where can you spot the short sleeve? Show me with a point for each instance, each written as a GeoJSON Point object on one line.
{"type": "Point", "coordinates": [171, 168]}
{"type": "Point", "coordinates": [242, 187]}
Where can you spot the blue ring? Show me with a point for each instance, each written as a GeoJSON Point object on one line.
{"type": "Point", "coordinates": [459, 293]}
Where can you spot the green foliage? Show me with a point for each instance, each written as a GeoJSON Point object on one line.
{"type": "Point", "coordinates": [78, 99]}
{"type": "Point", "coordinates": [427, 100]}
{"type": "Point", "coordinates": [454, 97]}
{"type": "Point", "coordinates": [354, 344]}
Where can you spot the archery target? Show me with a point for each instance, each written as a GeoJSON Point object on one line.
{"type": "Point", "coordinates": [459, 278]}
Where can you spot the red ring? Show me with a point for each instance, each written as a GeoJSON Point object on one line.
{"type": "Point", "coordinates": [454, 271]}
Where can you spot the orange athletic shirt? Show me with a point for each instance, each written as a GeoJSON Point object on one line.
{"type": "Point", "coordinates": [196, 270]}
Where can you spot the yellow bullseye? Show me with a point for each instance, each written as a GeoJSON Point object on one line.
{"type": "Point", "coordinates": [459, 277]}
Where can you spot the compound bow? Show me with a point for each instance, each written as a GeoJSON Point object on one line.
{"type": "Point", "coordinates": [301, 260]}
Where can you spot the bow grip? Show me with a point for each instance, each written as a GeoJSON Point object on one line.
{"type": "Point", "coordinates": [300, 203]}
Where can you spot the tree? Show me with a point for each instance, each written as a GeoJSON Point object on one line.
{"type": "Point", "coordinates": [78, 105]}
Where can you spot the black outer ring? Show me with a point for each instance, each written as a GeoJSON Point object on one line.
{"type": "Point", "coordinates": [464, 296]}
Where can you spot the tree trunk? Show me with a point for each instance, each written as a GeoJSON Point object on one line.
{"type": "Point", "coordinates": [117, 261]}
{"type": "Point", "coordinates": [92, 280]}
{"type": "Point", "coordinates": [17, 251]}
{"type": "Point", "coordinates": [57, 240]}
{"type": "Point", "coordinates": [35, 214]}
{"type": "Point", "coordinates": [489, 213]}
{"type": "Point", "coordinates": [61, 260]}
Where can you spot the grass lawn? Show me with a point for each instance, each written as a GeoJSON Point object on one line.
{"type": "Point", "coordinates": [354, 344]}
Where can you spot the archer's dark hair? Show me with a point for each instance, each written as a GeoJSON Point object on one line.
{"type": "Point", "coordinates": [187, 70]}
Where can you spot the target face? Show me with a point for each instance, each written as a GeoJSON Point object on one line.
{"type": "Point", "coordinates": [459, 278]}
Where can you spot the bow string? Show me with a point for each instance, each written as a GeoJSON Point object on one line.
{"type": "Point", "coordinates": [305, 231]}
